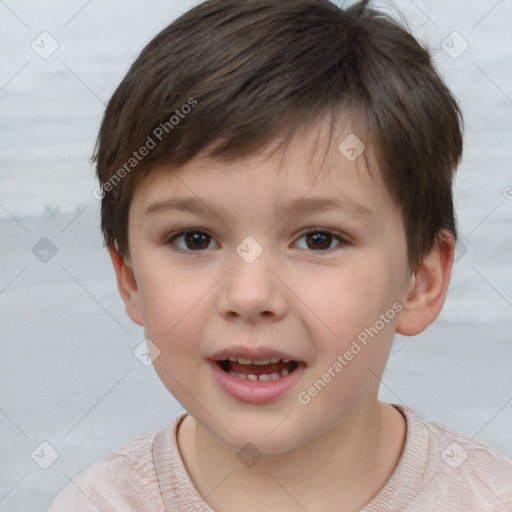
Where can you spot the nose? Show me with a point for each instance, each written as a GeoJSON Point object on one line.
{"type": "Point", "coordinates": [253, 290]}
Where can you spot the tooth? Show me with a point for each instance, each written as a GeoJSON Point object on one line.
{"type": "Point", "coordinates": [264, 377]}
{"type": "Point", "coordinates": [242, 360]}
{"type": "Point", "coordinates": [285, 360]}
{"type": "Point", "coordinates": [232, 359]}
{"type": "Point", "coordinates": [252, 377]}
{"type": "Point", "coordinates": [241, 376]}
{"type": "Point", "coordinates": [233, 374]}
{"type": "Point", "coordinates": [261, 361]}
{"type": "Point", "coordinates": [275, 360]}
{"type": "Point", "coordinates": [274, 376]}
{"type": "Point", "coordinates": [284, 373]}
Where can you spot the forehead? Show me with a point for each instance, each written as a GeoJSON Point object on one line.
{"type": "Point", "coordinates": [318, 163]}
{"type": "Point", "coordinates": [310, 153]}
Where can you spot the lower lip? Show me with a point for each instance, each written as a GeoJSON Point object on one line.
{"type": "Point", "coordinates": [255, 392]}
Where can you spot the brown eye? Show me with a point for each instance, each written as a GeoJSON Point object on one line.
{"type": "Point", "coordinates": [321, 240]}
{"type": "Point", "coordinates": [196, 240]}
{"type": "Point", "coordinates": [191, 240]}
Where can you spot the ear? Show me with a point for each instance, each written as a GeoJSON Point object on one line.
{"type": "Point", "coordinates": [428, 287]}
{"type": "Point", "coordinates": [127, 285]}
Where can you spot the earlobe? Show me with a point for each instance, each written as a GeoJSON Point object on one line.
{"type": "Point", "coordinates": [428, 287]}
{"type": "Point", "coordinates": [127, 285]}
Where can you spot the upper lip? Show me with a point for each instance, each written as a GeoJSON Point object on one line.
{"type": "Point", "coordinates": [254, 353]}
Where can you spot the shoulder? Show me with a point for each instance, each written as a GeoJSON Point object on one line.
{"type": "Point", "coordinates": [122, 481]}
{"type": "Point", "coordinates": [469, 457]}
{"type": "Point", "coordinates": [463, 470]}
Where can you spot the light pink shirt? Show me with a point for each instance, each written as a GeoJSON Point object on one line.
{"type": "Point", "coordinates": [440, 469]}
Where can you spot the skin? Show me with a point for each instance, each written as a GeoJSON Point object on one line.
{"type": "Point", "coordinates": [308, 302]}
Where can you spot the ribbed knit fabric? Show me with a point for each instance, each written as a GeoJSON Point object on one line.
{"type": "Point", "coordinates": [440, 469]}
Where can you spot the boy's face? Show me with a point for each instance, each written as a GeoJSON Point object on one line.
{"type": "Point", "coordinates": [312, 298]}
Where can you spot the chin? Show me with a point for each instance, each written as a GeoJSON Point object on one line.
{"type": "Point", "coordinates": [259, 433]}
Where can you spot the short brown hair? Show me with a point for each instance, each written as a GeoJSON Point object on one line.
{"type": "Point", "coordinates": [248, 71]}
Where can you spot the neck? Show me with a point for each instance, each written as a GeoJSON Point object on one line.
{"type": "Point", "coordinates": [350, 463]}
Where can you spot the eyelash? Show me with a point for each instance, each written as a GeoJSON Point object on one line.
{"type": "Point", "coordinates": [342, 241]}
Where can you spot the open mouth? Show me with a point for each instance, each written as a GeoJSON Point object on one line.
{"type": "Point", "coordinates": [257, 370]}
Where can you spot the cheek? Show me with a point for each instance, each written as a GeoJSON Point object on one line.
{"type": "Point", "coordinates": [172, 316]}
{"type": "Point", "coordinates": [173, 304]}
{"type": "Point", "coordinates": [176, 299]}
{"type": "Point", "coordinates": [352, 324]}
{"type": "Point", "coordinates": [344, 301]}
{"type": "Point", "coordinates": [169, 296]}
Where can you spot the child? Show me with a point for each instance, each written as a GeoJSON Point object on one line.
{"type": "Point", "coordinates": [261, 130]}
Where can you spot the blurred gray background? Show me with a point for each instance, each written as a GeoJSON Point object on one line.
{"type": "Point", "coordinates": [68, 375]}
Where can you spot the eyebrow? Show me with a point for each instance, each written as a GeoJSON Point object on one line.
{"type": "Point", "coordinates": [194, 205]}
